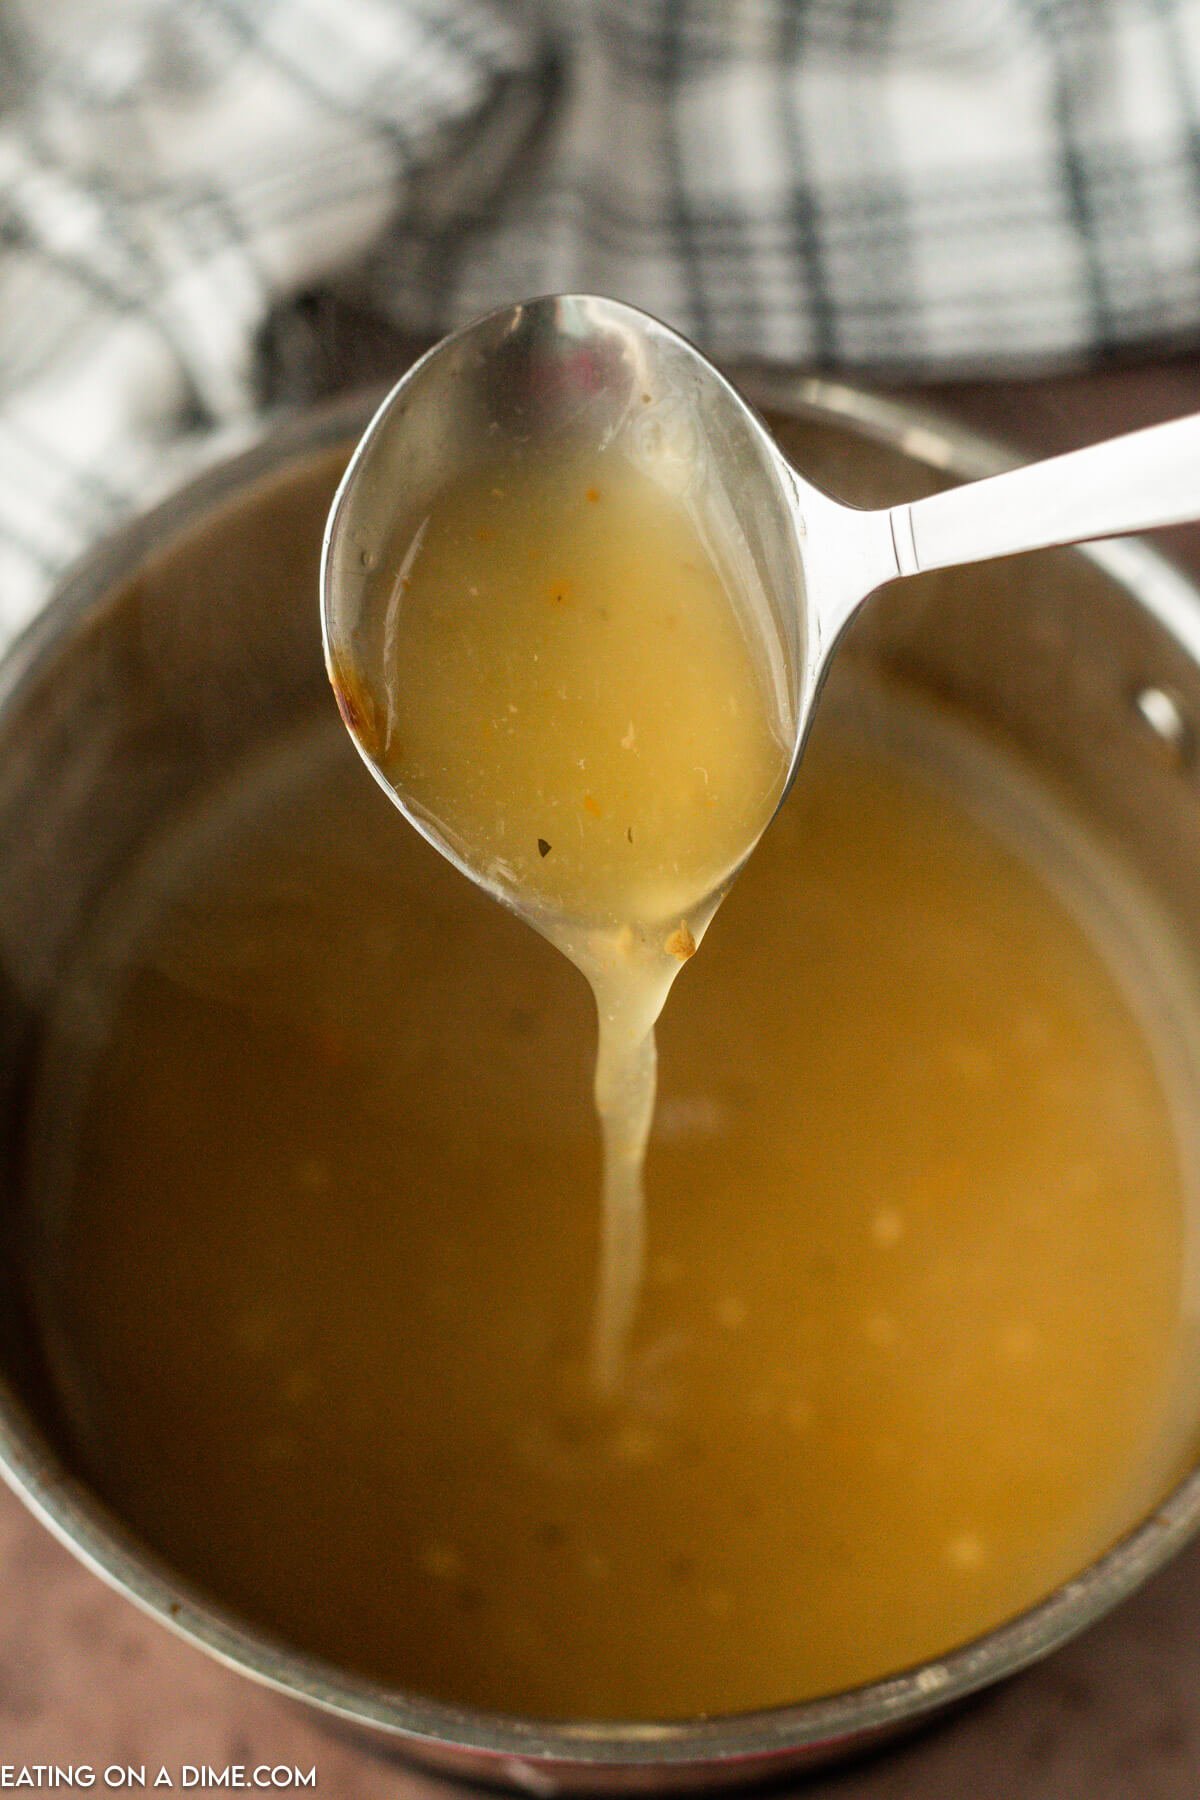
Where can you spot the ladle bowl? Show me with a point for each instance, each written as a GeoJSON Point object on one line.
{"type": "Point", "coordinates": [570, 370]}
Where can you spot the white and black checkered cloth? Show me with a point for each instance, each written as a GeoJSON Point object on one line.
{"type": "Point", "coordinates": [921, 184]}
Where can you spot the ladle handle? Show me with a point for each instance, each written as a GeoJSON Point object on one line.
{"type": "Point", "coordinates": [1130, 483]}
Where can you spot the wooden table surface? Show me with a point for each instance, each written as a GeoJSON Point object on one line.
{"type": "Point", "coordinates": [84, 1678]}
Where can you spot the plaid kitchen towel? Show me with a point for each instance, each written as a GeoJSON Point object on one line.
{"type": "Point", "coordinates": [925, 185]}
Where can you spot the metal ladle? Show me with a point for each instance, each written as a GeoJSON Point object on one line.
{"type": "Point", "coordinates": [582, 370]}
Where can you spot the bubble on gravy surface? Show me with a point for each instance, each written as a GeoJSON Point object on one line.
{"type": "Point", "coordinates": [318, 1237]}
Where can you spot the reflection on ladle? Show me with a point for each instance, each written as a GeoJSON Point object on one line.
{"type": "Point", "coordinates": [577, 609]}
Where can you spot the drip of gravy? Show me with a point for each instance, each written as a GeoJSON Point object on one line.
{"type": "Point", "coordinates": [565, 690]}
{"type": "Point", "coordinates": [317, 1263]}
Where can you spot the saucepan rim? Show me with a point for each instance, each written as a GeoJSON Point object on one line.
{"type": "Point", "coordinates": [105, 1545]}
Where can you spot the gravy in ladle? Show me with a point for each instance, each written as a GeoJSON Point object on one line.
{"type": "Point", "coordinates": [568, 692]}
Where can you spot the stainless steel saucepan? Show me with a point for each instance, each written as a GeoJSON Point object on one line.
{"type": "Point", "coordinates": [191, 636]}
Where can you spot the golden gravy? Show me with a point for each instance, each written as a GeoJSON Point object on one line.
{"type": "Point", "coordinates": [319, 1244]}
{"type": "Point", "coordinates": [556, 676]}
